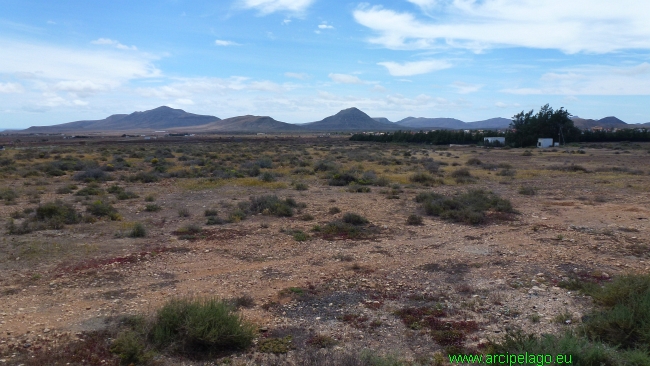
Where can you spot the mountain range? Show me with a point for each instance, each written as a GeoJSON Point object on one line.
{"type": "Point", "coordinates": [351, 119]}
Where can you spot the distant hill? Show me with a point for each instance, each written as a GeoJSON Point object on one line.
{"type": "Point", "coordinates": [156, 119]}
{"type": "Point", "coordinates": [382, 120]}
{"type": "Point", "coordinates": [453, 124]}
{"type": "Point", "coordinates": [351, 119]}
{"type": "Point", "coordinates": [246, 123]}
{"type": "Point", "coordinates": [607, 122]}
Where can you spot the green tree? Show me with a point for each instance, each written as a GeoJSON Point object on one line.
{"type": "Point", "coordinates": [528, 127]}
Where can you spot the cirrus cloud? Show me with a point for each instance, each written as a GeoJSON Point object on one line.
{"type": "Point", "coordinates": [594, 26]}
{"type": "Point", "coordinates": [415, 68]}
{"type": "Point", "coordinates": [271, 6]}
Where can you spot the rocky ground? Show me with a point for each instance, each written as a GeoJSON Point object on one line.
{"type": "Point", "coordinates": [485, 279]}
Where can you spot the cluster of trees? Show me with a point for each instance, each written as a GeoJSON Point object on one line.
{"type": "Point", "coordinates": [439, 137]}
{"type": "Point", "coordinates": [525, 129]}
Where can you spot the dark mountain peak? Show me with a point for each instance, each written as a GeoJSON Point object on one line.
{"type": "Point", "coordinates": [611, 120]}
{"type": "Point", "coordinates": [350, 119]}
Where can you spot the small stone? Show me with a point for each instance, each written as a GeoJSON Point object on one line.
{"type": "Point", "coordinates": [46, 330]}
{"type": "Point", "coordinates": [264, 329]}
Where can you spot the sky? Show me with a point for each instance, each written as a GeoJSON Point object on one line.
{"type": "Point", "coordinates": [302, 60]}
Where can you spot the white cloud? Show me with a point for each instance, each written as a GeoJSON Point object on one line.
{"type": "Point", "coordinates": [379, 89]}
{"type": "Point", "coordinates": [296, 75]}
{"type": "Point", "coordinates": [221, 42]}
{"type": "Point", "coordinates": [325, 26]}
{"type": "Point", "coordinates": [595, 26]}
{"type": "Point", "coordinates": [272, 6]}
{"type": "Point", "coordinates": [506, 105]}
{"type": "Point", "coordinates": [592, 80]}
{"type": "Point", "coordinates": [194, 87]}
{"type": "Point", "coordinates": [116, 44]}
{"type": "Point", "coordinates": [345, 79]}
{"type": "Point", "coordinates": [10, 88]}
{"type": "Point", "coordinates": [69, 64]}
{"type": "Point", "coordinates": [415, 68]}
{"type": "Point", "coordinates": [82, 87]}
{"type": "Point", "coordinates": [465, 88]}
{"type": "Point", "coordinates": [184, 101]}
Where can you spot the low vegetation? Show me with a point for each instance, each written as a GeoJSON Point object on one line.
{"type": "Point", "coordinates": [471, 207]}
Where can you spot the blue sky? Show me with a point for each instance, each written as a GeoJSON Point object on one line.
{"type": "Point", "coordinates": [302, 60]}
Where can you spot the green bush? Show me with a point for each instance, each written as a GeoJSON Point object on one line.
{"type": "Point", "coordinates": [211, 212]}
{"type": "Point", "coordinates": [138, 231]}
{"type": "Point", "coordinates": [267, 177]}
{"type": "Point", "coordinates": [334, 210]}
{"type": "Point", "coordinates": [8, 195]}
{"type": "Point", "coordinates": [67, 189]}
{"type": "Point", "coordinates": [203, 326]}
{"type": "Point", "coordinates": [215, 220]}
{"type": "Point", "coordinates": [624, 320]}
{"type": "Point", "coordinates": [527, 191]}
{"type": "Point", "coordinates": [300, 236]}
{"type": "Point", "coordinates": [59, 211]}
{"type": "Point", "coordinates": [91, 189]}
{"type": "Point", "coordinates": [100, 208]}
{"type": "Point", "coordinates": [152, 207]}
{"type": "Point", "coordinates": [272, 205]}
{"type": "Point", "coordinates": [414, 220]}
{"type": "Point", "coordinates": [131, 348]}
{"type": "Point", "coordinates": [300, 186]}
{"type": "Point", "coordinates": [469, 207]}
{"type": "Point", "coordinates": [425, 178]}
{"type": "Point", "coordinates": [236, 216]}
{"type": "Point", "coordinates": [354, 219]}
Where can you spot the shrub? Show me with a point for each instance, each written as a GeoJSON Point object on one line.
{"type": "Point", "coordinates": [214, 220]}
{"type": "Point", "coordinates": [57, 211]}
{"type": "Point", "coordinates": [414, 220]}
{"type": "Point", "coordinates": [474, 161]}
{"type": "Point", "coordinates": [131, 348]}
{"type": "Point", "coordinates": [91, 189]}
{"type": "Point", "coordinates": [144, 177]}
{"type": "Point", "coordinates": [507, 173]}
{"type": "Point", "coordinates": [126, 195]}
{"type": "Point", "coordinates": [236, 216]}
{"type": "Point", "coordinates": [300, 236]}
{"type": "Point", "coordinates": [207, 326]}
{"type": "Point", "coordinates": [100, 208]}
{"type": "Point", "coordinates": [334, 210]}
{"type": "Point", "coordinates": [152, 207]}
{"type": "Point", "coordinates": [67, 189]}
{"type": "Point", "coordinates": [300, 186]}
{"type": "Point", "coordinates": [527, 153]}
{"type": "Point", "coordinates": [92, 175]}
{"type": "Point", "coordinates": [527, 191]}
{"type": "Point", "coordinates": [354, 188]}
{"type": "Point", "coordinates": [150, 198]}
{"type": "Point", "coordinates": [422, 177]}
{"type": "Point", "coordinates": [184, 212]}
{"type": "Point", "coordinates": [354, 219]}
{"type": "Point", "coordinates": [211, 212]}
{"type": "Point", "coordinates": [325, 165]}
{"type": "Point", "coordinates": [272, 205]}
{"type": "Point", "coordinates": [267, 177]}
{"type": "Point", "coordinates": [138, 231]}
{"type": "Point", "coordinates": [462, 175]}
{"type": "Point", "coordinates": [337, 228]}
{"type": "Point", "coordinates": [341, 179]}
{"type": "Point", "coordinates": [8, 195]}
{"type": "Point", "coordinates": [624, 320]}
{"type": "Point", "coordinates": [469, 207]}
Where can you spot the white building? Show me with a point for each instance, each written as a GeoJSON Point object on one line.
{"type": "Point", "coordinates": [544, 142]}
{"type": "Point", "coordinates": [500, 141]}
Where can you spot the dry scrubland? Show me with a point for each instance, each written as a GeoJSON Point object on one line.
{"type": "Point", "coordinates": [325, 247]}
